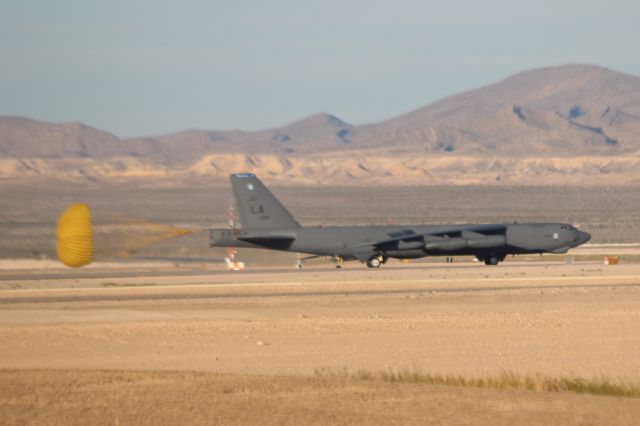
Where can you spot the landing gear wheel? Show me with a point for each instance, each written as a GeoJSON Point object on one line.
{"type": "Point", "coordinates": [374, 262]}
{"type": "Point", "coordinates": [383, 259]}
{"type": "Point", "coordinates": [491, 260]}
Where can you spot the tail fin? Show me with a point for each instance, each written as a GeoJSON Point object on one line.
{"type": "Point", "coordinates": [257, 207]}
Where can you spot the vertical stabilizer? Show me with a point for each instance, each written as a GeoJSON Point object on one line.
{"type": "Point", "coordinates": [256, 205]}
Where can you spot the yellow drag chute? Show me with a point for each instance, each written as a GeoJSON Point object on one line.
{"type": "Point", "coordinates": [74, 236]}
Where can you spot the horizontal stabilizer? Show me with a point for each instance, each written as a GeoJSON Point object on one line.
{"type": "Point", "coordinates": [275, 242]}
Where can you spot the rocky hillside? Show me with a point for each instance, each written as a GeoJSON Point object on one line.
{"type": "Point", "coordinates": [563, 125]}
{"type": "Point", "coordinates": [568, 110]}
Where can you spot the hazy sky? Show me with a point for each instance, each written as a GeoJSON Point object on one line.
{"type": "Point", "coordinates": [145, 67]}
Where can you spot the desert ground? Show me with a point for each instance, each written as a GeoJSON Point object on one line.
{"type": "Point", "coordinates": [169, 336]}
{"type": "Point", "coordinates": [29, 209]}
{"type": "Point", "coordinates": [166, 344]}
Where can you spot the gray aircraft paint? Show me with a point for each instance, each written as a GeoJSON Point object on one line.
{"type": "Point", "coordinates": [257, 207]}
{"type": "Point", "coordinates": [266, 224]}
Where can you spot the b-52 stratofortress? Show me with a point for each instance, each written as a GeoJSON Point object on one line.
{"type": "Point", "coordinates": [267, 224]}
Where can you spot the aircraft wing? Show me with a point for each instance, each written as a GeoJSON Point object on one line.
{"type": "Point", "coordinates": [479, 236]}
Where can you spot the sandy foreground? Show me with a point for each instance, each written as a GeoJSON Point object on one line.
{"type": "Point", "coordinates": [267, 332]}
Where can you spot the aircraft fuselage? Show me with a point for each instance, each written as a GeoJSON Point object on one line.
{"type": "Point", "coordinates": [267, 224]}
{"type": "Point", "coordinates": [412, 241]}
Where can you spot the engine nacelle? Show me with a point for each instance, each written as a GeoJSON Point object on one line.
{"type": "Point", "coordinates": [410, 245]}
{"type": "Point", "coordinates": [447, 244]}
{"type": "Point", "coordinates": [452, 244]}
{"type": "Point", "coordinates": [491, 241]}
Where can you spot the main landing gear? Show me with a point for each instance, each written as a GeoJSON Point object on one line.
{"type": "Point", "coordinates": [493, 259]}
{"type": "Point", "coordinates": [376, 261]}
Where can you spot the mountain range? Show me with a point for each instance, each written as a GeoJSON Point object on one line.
{"type": "Point", "coordinates": [571, 124]}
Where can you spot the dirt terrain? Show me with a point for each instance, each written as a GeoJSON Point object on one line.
{"type": "Point", "coordinates": [580, 320]}
{"type": "Point", "coordinates": [160, 397]}
{"type": "Point", "coordinates": [29, 210]}
{"type": "Point", "coordinates": [264, 334]}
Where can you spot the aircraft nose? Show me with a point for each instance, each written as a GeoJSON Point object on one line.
{"type": "Point", "coordinates": [583, 237]}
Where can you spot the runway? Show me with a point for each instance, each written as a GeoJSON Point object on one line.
{"type": "Point", "coordinates": [187, 271]}
{"type": "Point", "coordinates": [322, 281]}
{"type": "Point", "coordinates": [195, 296]}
